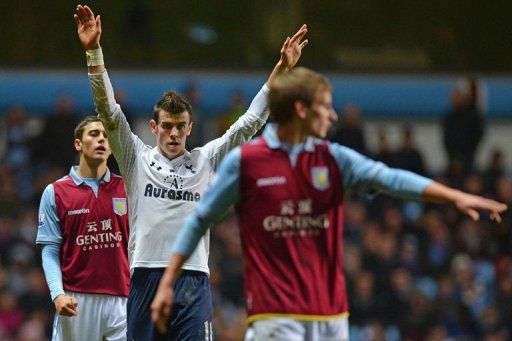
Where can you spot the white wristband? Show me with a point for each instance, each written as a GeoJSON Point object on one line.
{"type": "Point", "coordinates": [94, 57]}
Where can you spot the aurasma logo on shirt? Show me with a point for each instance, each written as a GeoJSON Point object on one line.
{"type": "Point", "coordinates": [158, 192]}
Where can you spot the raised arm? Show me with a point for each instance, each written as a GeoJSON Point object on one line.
{"type": "Point", "coordinates": [290, 53]}
{"type": "Point", "coordinates": [256, 116]}
{"type": "Point", "coordinates": [89, 33]}
{"type": "Point", "coordinates": [124, 144]}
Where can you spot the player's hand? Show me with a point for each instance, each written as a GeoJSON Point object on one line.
{"type": "Point", "coordinates": [161, 308]}
{"type": "Point", "coordinates": [89, 27]}
{"type": "Point", "coordinates": [470, 204]}
{"type": "Point", "coordinates": [66, 305]}
{"type": "Point", "coordinates": [292, 48]}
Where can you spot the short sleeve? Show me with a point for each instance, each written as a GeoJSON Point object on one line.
{"type": "Point", "coordinates": [48, 230]}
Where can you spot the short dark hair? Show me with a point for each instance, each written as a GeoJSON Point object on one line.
{"type": "Point", "coordinates": [172, 103]}
{"type": "Point", "coordinates": [300, 84]}
{"type": "Point", "coordinates": [80, 127]}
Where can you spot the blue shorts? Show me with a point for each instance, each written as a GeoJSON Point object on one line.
{"type": "Point", "coordinates": [192, 310]}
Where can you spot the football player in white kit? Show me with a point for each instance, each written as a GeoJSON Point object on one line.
{"type": "Point", "coordinates": [165, 183]}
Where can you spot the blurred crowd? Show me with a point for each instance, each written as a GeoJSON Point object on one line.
{"type": "Point", "coordinates": [416, 272]}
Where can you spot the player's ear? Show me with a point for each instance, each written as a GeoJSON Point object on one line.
{"type": "Point", "coordinates": [78, 145]}
{"type": "Point", "coordinates": [153, 125]}
{"type": "Point", "coordinates": [189, 128]}
{"type": "Point", "coordinates": [300, 109]}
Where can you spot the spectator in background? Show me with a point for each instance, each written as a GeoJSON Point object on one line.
{"type": "Point", "coordinates": [11, 315]}
{"type": "Point", "coordinates": [408, 156]}
{"type": "Point", "coordinates": [52, 145]}
{"type": "Point", "coordinates": [17, 144]}
{"type": "Point", "coordinates": [463, 127]}
{"type": "Point", "coordinates": [349, 132]}
{"type": "Point", "coordinates": [197, 137]}
{"type": "Point", "coordinates": [384, 152]}
{"type": "Point", "coordinates": [494, 170]}
{"type": "Point", "coordinates": [236, 108]}
{"type": "Point", "coordinates": [18, 151]}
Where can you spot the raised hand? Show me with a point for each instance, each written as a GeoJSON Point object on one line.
{"type": "Point", "coordinates": [292, 48]}
{"type": "Point", "coordinates": [89, 27]}
{"type": "Point", "coordinates": [66, 305]}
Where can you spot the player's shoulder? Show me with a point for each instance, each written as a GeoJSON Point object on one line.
{"type": "Point", "coordinates": [255, 143]}
{"type": "Point", "coordinates": [66, 179]}
{"type": "Point", "coordinates": [116, 178]}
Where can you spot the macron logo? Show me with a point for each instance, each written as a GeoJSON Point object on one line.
{"type": "Point", "coordinates": [80, 211]}
{"type": "Point", "coordinates": [277, 180]}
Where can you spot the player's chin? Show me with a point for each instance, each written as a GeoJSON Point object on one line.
{"type": "Point", "coordinates": [320, 134]}
{"type": "Point", "coordinates": [173, 150]}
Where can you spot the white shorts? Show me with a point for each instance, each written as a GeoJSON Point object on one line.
{"type": "Point", "coordinates": [100, 317]}
{"type": "Point", "coordinates": [287, 329]}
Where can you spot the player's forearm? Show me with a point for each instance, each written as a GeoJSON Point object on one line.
{"type": "Point", "coordinates": [51, 265]}
{"type": "Point", "coordinates": [189, 236]}
{"type": "Point", "coordinates": [173, 270]}
{"type": "Point", "coordinates": [278, 69]}
{"type": "Point", "coordinates": [96, 69]}
{"type": "Point", "coordinates": [103, 94]}
{"type": "Point", "coordinates": [436, 192]}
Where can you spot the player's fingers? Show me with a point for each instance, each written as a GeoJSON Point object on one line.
{"type": "Point", "coordinates": [79, 14]}
{"type": "Point", "coordinates": [301, 31]}
{"type": "Point", "coordinates": [286, 42]}
{"type": "Point", "coordinates": [304, 43]}
{"type": "Point", "coordinates": [166, 310]}
{"type": "Point", "coordinates": [98, 22]}
{"type": "Point", "coordinates": [285, 45]}
{"type": "Point", "coordinates": [68, 311]}
{"type": "Point", "coordinates": [77, 20]}
{"type": "Point", "coordinates": [300, 34]}
{"type": "Point", "coordinates": [82, 14]}
{"type": "Point", "coordinates": [473, 214]}
{"type": "Point", "coordinates": [158, 319]}
{"type": "Point", "coordinates": [73, 303]}
{"type": "Point", "coordinates": [156, 310]}
{"type": "Point", "coordinates": [496, 217]}
{"type": "Point", "coordinates": [89, 13]}
{"type": "Point", "coordinates": [161, 325]}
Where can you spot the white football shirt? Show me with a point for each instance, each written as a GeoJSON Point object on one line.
{"type": "Point", "coordinates": [162, 193]}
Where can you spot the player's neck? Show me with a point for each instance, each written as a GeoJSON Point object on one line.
{"type": "Point", "coordinates": [91, 171]}
{"type": "Point", "coordinates": [291, 133]}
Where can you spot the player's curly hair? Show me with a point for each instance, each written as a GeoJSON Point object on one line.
{"type": "Point", "coordinates": [172, 103]}
{"type": "Point", "coordinates": [300, 84]}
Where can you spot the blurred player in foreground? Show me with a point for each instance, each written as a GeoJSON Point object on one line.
{"type": "Point", "coordinates": [83, 231]}
{"type": "Point", "coordinates": [288, 188]}
{"type": "Point", "coordinates": [164, 185]}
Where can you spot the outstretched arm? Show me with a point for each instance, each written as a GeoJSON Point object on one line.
{"type": "Point", "coordinates": [256, 116]}
{"type": "Point", "coordinates": [366, 174]}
